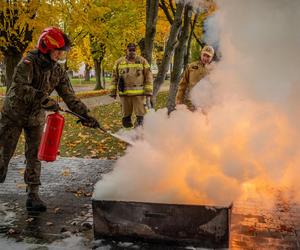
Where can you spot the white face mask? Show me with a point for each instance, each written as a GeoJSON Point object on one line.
{"type": "Point", "coordinates": [62, 61]}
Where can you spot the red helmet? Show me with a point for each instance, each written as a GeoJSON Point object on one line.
{"type": "Point", "coordinates": [53, 38]}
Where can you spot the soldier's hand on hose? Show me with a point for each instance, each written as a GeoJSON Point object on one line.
{"type": "Point", "coordinates": [89, 121]}
{"type": "Point", "coordinates": [49, 104]}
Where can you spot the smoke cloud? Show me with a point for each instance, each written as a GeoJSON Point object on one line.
{"type": "Point", "coordinates": [250, 136]}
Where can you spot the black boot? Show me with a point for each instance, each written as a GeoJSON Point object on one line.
{"type": "Point", "coordinates": [34, 203]}
{"type": "Point", "coordinates": [2, 176]}
{"type": "Point", "coordinates": [126, 121]}
{"type": "Point", "coordinates": [3, 172]}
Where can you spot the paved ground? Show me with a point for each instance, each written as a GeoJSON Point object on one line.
{"type": "Point", "coordinates": [67, 188]}
{"type": "Point", "coordinates": [256, 227]}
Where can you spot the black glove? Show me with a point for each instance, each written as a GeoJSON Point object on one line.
{"type": "Point", "coordinates": [89, 121]}
{"type": "Point", "coordinates": [121, 84]}
{"type": "Point", "coordinates": [49, 104]}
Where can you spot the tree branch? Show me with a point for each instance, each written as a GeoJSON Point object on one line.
{"type": "Point", "coordinates": [164, 7]}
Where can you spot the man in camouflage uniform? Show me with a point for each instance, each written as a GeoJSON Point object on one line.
{"type": "Point", "coordinates": [192, 75]}
{"type": "Point", "coordinates": [34, 79]}
{"type": "Point", "coordinates": [133, 80]}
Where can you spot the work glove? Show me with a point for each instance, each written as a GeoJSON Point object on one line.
{"type": "Point", "coordinates": [89, 121]}
{"type": "Point", "coordinates": [49, 104]}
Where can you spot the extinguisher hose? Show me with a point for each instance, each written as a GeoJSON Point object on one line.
{"type": "Point", "coordinates": [81, 118]}
{"type": "Point", "coordinates": [102, 129]}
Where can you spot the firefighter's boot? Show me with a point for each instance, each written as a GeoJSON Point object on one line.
{"type": "Point", "coordinates": [126, 121]}
{"type": "Point", "coordinates": [139, 121]}
{"type": "Point", "coordinates": [34, 203]}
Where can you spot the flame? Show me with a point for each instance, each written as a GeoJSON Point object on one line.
{"type": "Point", "coordinates": [248, 145]}
{"type": "Point", "coordinates": [240, 147]}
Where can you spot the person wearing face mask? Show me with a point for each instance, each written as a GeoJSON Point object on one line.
{"type": "Point", "coordinates": [132, 80]}
{"type": "Point", "coordinates": [34, 79]}
{"type": "Point", "coordinates": [192, 75]}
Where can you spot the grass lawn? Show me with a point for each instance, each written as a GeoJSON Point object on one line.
{"type": "Point", "coordinates": [80, 141]}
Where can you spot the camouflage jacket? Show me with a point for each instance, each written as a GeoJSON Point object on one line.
{"type": "Point", "coordinates": [191, 76]}
{"type": "Point", "coordinates": [35, 73]}
{"type": "Point", "coordinates": [136, 77]}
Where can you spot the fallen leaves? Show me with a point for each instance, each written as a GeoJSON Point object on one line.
{"type": "Point", "coordinates": [30, 220]}
{"type": "Point", "coordinates": [57, 210]}
{"type": "Point", "coordinates": [12, 231]}
{"type": "Point", "coordinates": [66, 172]}
{"type": "Point", "coordinates": [21, 185]}
{"type": "Point", "coordinates": [79, 192]}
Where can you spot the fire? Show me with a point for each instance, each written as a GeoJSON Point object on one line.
{"type": "Point", "coordinates": [192, 159]}
{"type": "Point", "coordinates": [248, 145]}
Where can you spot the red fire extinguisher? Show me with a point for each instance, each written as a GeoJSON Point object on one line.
{"type": "Point", "coordinates": [51, 137]}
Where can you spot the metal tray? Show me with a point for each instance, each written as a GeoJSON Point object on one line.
{"type": "Point", "coordinates": [197, 225]}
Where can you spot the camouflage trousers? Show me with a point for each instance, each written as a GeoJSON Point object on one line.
{"type": "Point", "coordinates": [9, 136]}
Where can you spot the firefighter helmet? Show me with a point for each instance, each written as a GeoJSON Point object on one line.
{"type": "Point", "coordinates": [53, 38]}
{"type": "Point", "coordinates": [209, 50]}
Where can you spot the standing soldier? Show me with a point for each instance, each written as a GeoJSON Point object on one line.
{"type": "Point", "coordinates": [132, 78]}
{"type": "Point", "coordinates": [34, 79]}
{"type": "Point", "coordinates": [192, 75]}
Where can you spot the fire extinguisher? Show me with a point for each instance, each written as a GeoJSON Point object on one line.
{"type": "Point", "coordinates": [51, 137]}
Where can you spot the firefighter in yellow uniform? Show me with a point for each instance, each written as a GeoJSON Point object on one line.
{"type": "Point", "coordinates": [192, 75]}
{"type": "Point", "coordinates": [133, 80]}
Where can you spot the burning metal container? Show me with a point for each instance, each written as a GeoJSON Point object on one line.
{"type": "Point", "coordinates": [197, 225]}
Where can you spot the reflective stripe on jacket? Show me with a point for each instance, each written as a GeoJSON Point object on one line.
{"type": "Point", "coordinates": [137, 76]}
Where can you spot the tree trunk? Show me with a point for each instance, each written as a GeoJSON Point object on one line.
{"type": "Point", "coordinates": [188, 50]}
{"type": "Point", "coordinates": [180, 52]}
{"type": "Point", "coordinates": [171, 43]}
{"type": "Point", "coordinates": [151, 20]}
{"type": "Point", "coordinates": [87, 71]}
{"type": "Point", "coordinates": [97, 64]}
{"type": "Point", "coordinates": [11, 59]}
{"type": "Point", "coordinates": [103, 76]}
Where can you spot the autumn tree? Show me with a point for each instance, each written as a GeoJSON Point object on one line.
{"type": "Point", "coordinates": [150, 31]}
{"type": "Point", "coordinates": [171, 43]}
{"type": "Point", "coordinates": [179, 55]}
{"type": "Point", "coordinates": [16, 28]}
{"type": "Point", "coordinates": [21, 23]}
{"type": "Point", "coordinates": [185, 25]}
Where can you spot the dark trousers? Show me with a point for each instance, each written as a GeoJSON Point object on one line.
{"type": "Point", "coordinates": [9, 136]}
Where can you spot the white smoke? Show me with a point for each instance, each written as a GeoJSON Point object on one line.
{"type": "Point", "coordinates": [196, 4]}
{"type": "Point", "coordinates": [251, 131]}
{"type": "Point", "coordinates": [212, 30]}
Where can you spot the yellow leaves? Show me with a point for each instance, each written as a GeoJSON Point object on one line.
{"type": "Point", "coordinates": [80, 192]}
{"type": "Point", "coordinates": [21, 186]}
{"type": "Point", "coordinates": [21, 171]}
{"type": "Point", "coordinates": [30, 219]}
{"type": "Point", "coordinates": [21, 17]}
{"type": "Point", "coordinates": [66, 172]}
{"type": "Point", "coordinates": [57, 210]}
{"type": "Point", "coordinates": [82, 136]}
